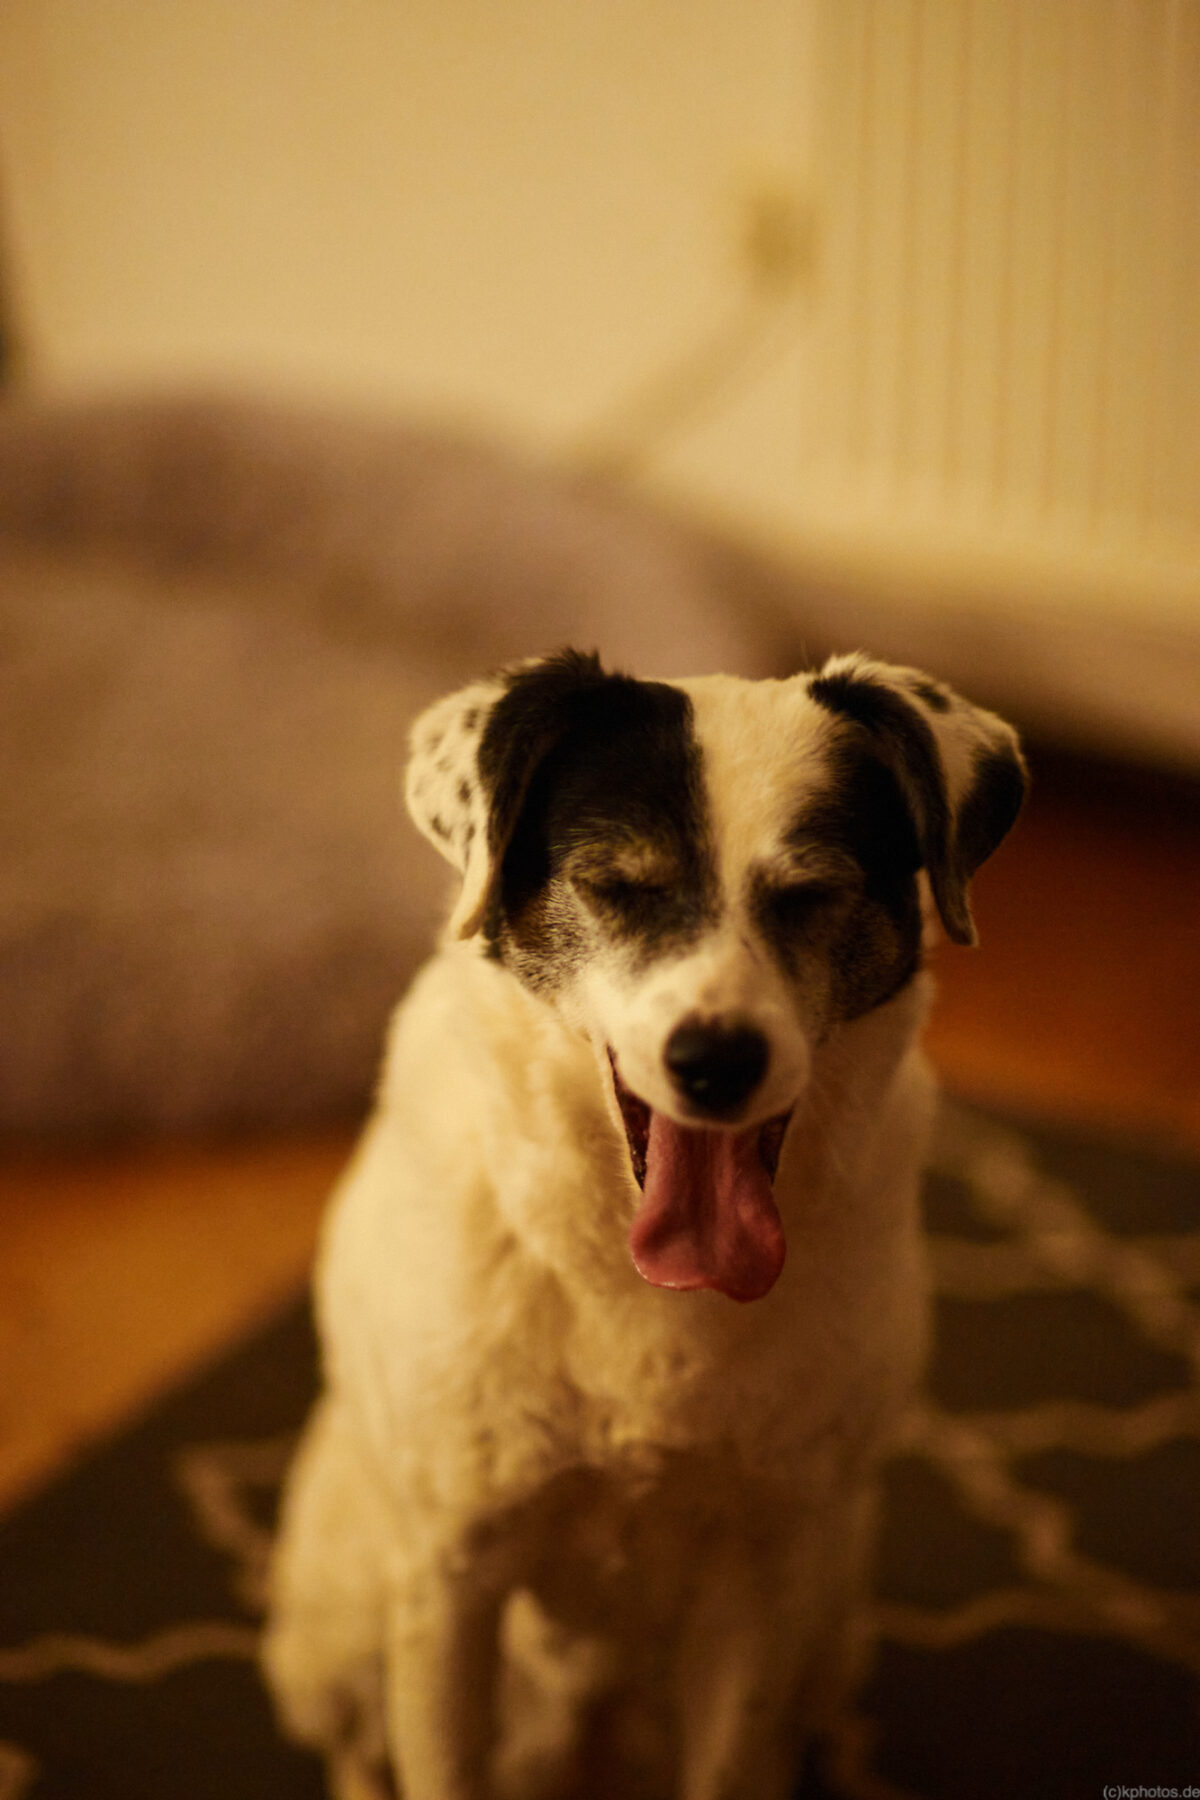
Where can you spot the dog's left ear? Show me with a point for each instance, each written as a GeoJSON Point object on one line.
{"type": "Point", "coordinates": [958, 768]}
{"type": "Point", "coordinates": [473, 757]}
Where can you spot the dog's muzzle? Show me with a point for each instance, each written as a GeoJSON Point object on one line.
{"type": "Point", "coordinates": [707, 1217]}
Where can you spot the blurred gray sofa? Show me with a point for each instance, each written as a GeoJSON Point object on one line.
{"type": "Point", "coordinates": [217, 618]}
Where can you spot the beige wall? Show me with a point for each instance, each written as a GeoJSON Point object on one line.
{"type": "Point", "coordinates": [509, 210]}
{"type": "Point", "coordinates": [972, 415]}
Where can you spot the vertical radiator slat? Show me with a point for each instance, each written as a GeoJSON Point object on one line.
{"type": "Point", "coordinates": [1011, 304]}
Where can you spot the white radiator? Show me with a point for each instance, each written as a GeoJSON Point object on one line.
{"type": "Point", "coordinates": [1009, 319]}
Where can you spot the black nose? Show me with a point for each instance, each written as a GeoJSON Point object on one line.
{"type": "Point", "coordinates": [716, 1066]}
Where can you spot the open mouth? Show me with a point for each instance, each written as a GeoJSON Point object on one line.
{"type": "Point", "coordinates": [707, 1217]}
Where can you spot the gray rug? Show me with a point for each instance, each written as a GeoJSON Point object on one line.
{"type": "Point", "coordinates": [1038, 1616]}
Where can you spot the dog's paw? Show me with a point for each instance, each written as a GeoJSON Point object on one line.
{"type": "Point", "coordinates": [349, 1777]}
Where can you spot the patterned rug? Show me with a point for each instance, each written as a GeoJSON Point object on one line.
{"type": "Point", "coordinates": [1038, 1615]}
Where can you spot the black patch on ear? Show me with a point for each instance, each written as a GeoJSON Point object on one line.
{"type": "Point", "coordinates": [527, 720]}
{"type": "Point", "coordinates": [989, 808]}
{"type": "Point", "coordinates": [935, 698]}
{"type": "Point", "coordinates": [863, 812]}
{"type": "Point", "coordinates": [589, 759]}
{"type": "Point", "coordinates": [951, 850]}
{"type": "Point", "coordinates": [876, 946]}
{"type": "Point", "coordinates": [906, 743]}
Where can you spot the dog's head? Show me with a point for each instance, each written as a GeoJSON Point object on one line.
{"type": "Point", "coordinates": [708, 877]}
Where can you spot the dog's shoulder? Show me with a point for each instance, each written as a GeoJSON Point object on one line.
{"type": "Point", "coordinates": [474, 1060]}
{"type": "Point", "coordinates": [477, 1211]}
{"type": "Point", "coordinates": [489, 1150]}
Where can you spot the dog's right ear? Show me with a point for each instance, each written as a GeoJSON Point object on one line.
{"type": "Point", "coordinates": [473, 756]}
{"type": "Point", "coordinates": [958, 768]}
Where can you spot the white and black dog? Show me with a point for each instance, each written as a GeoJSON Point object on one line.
{"type": "Point", "coordinates": [568, 1520]}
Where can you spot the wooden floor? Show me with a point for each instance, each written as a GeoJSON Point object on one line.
{"type": "Point", "coordinates": [120, 1271]}
{"type": "Point", "coordinates": [1083, 999]}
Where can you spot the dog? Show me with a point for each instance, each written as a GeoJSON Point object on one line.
{"type": "Point", "coordinates": [623, 1292]}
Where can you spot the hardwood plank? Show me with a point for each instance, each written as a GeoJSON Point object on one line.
{"type": "Point", "coordinates": [1083, 997]}
{"type": "Point", "coordinates": [120, 1270]}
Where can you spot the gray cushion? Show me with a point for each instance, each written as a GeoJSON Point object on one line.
{"type": "Point", "coordinates": [216, 620]}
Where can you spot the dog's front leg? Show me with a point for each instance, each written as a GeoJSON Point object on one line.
{"type": "Point", "coordinates": [773, 1642]}
{"type": "Point", "coordinates": [442, 1656]}
{"type": "Point", "coordinates": [736, 1680]}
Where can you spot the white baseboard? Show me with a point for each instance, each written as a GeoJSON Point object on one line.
{"type": "Point", "coordinates": [1094, 644]}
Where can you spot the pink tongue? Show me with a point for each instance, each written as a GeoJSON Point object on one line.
{"type": "Point", "coordinates": [708, 1217]}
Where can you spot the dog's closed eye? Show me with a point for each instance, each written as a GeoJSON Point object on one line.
{"type": "Point", "coordinates": [796, 904]}
{"type": "Point", "coordinates": [623, 893]}
{"type": "Point", "coordinates": [630, 875]}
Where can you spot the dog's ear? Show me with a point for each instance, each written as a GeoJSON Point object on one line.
{"type": "Point", "coordinates": [958, 768]}
{"type": "Point", "coordinates": [473, 757]}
